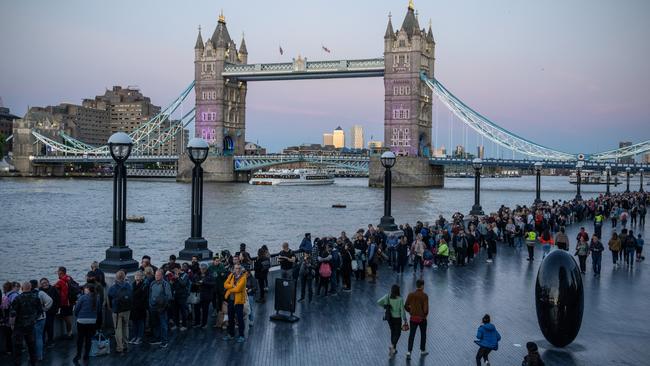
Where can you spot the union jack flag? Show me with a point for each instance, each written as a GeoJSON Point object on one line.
{"type": "Point", "coordinates": [281, 51]}
{"type": "Point", "coordinates": [326, 49]}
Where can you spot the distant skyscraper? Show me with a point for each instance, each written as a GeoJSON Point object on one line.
{"type": "Point", "coordinates": [646, 158]}
{"type": "Point", "coordinates": [375, 145]}
{"type": "Point", "coordinates": [328, 139]}
{"type": "Point", "coordinates": [338, 138]}
{"type": "Point", "coordinates": [480, 153]}
{"type": "Point", "coordinates": [627, 159]}
{"type": "Point", "coordinates": [356, 137]}
{"type": "Point", "coordinates": [459, 152]}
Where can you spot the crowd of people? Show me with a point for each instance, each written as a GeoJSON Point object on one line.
{"type": "Point", "coordinates": [222, 294]}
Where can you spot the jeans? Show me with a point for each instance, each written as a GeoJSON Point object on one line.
{"type": "Point", "coordinates": [417, 260]}
{"type": "Point", "coordinates": [531, 252]}
{"type": "Point", "coordinates": [423, 334]}
{"type": "Point", "coordinates": [159, 317]}
{"type": "Point", "coordinates": [38, 338]}
{"type": "Point", "coordinates": [305, 284]}
{"type": "Point", "coordinates": [483, 353]}
{"type": "Point", "coordinates": [85, 333]}
{"type": "Point", "coordinates": [251, 300]}
{"type": "Point", "coordinates": [25, 334]}
{"type": "Point", "coordinates": [121, 324]}
{"type": "Point", "coordinates": [583, 263]}
{"type": "Point", "coordinates": [519, 242]}
{"type": "Point", "coordinates": [201, 312]}
{"type": "Point", "coordinates": [629, 257]}
{"type": "Point", "coordinates": [235, 310]}
{"type": "Point", "coordinates": [180, 312]}
{"type": "Point", "coordinates": [596, 258]}
{"type": "Point", "coordinates": [287, 273]}
{"type": "Point", "coordinates": [614, 256]}
{"type": "Point", "coordinates": [49, 328]}
{"type": "Point", "coordinates": [323, 282]}
{"type": "Point", "coordinates": [395, 325]}
{"type": "Point", "coordinates": [547, 249]}
{"type": "Point", "coordinates": [333, 281]}
{"type": "Point", "coordinates": [138, 328]}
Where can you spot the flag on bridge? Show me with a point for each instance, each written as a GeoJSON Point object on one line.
{"type": "Point", "coordinates": [281, 51]}
{"type": "Point", "coordinates": [326, 49]}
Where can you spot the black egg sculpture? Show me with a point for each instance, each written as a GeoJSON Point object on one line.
{"type": "Point", "coordinates": [559, 298]}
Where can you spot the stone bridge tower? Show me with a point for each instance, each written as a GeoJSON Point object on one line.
{"type": "Point", "coordinates": [220, 115]}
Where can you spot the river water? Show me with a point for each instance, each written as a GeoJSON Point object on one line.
{"type": "Point", "coordinates": [50, 222]}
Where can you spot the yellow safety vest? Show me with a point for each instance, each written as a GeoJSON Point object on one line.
{"type": "Point", "coordinates": [532, 236]}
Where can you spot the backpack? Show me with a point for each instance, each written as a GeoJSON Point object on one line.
{"type": "Point", "coordinates": [123, 299]}
{"type": "Point", "coordinates": [74, 291]}
{"type": "Point", "coordinates": [325, 270]}
{"type": "Point", "coordinates": [266, 264]}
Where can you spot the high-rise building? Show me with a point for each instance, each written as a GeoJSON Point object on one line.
{"type": "Point", "coordinates": [338, 138]}
{"type": "Point", "coordinates": [459, 152]}
{"type": "Point", "coordinates": [328, 139]}
{"type": "Point", "coordinates": [627, 159]}
{"type": "Point", "coordinates": [356, 137]}
{"type": "Point", "coordinates": [480, 152]}
{"type": "Point", "coordinates": [6, 127]}
{"type": "Point", "coordinates": [127, 108]}
{"type": "Point", "coordinates": [373, 145]}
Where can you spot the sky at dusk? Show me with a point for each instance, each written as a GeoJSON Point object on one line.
{"type": "Point", "coordinates": [571, 75]}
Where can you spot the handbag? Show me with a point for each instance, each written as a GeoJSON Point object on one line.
{"type": "Point", "coordinates": [405, 327]}
{"type": "Point", "coordinates": [100, 345]}
{"type": "Point", "coordinates": [194, 298]}
{"type": "Point", "coordinates": [355, 266]}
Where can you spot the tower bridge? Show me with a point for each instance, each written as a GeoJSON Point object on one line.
{"type": "Point", "coordinates": [221, 77]}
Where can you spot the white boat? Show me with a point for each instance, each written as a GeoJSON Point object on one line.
{"type": "Point", "coordinates": [294, 177]}
{"type": "Point", "coordinates": [593, 177]}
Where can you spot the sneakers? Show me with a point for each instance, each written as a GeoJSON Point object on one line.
{"type": "Point", "coordinates": [489, 260]}
{"type": "Point", "coordinates": [408, 355]}
{"type": "Point", "coordinates": [228, 337]}
{"type": "Point", "coordinates": [182, 329]}
{"type": "Point", "coordinates": [424, 353]}
{"type": "Point", "coordinates": [391, 351]}
{"type": "Point", "coordinates": [132, 340]}
{"type": "Point", "coordinates": [241, 339]}
{"type": "Point", "coordinates": [157, 341]}
{"type": "Point", "coordinates": [137, 341]}
{"type": "Point", "coordinates": [164, 345]}
{"type": "Point", "coordinates": [173, 327]}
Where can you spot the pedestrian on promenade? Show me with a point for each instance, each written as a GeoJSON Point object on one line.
{"type": "Point", "coordinates": [305, 244]}
{"type": "Point", "coordinates": [25, 309]}
{"type": "Point", "coordinates": [180, 285]}
{"type": "Point", "coordinates": [86, 310]}
{"type": "Point", "coordinates": [69, 290]}
{"type": "Point", "coordinates": [443, 254]}
{"type": "Point", "coordinates": [360, 251]}
{"type": "Point", "coordinates": [614, 245]}
{"type": "Point", "coordinates": [642, 212]}
{"type": "Point", "coordinates": [598, 224]}
{"type": "Point", "coordinates": [287, 259]}
{"type": "Point", "coordinates": [140, 305]}
{"type": "Point", "coordinates": [205, 284]}
{"type": "Point", "coordinates": [639, 248]}
{"type": "Point", "coordinates": [417, 305]}
{"type": "Point", "coordinates": [120, 302]}
{"type": "Point", "coordinates": [324, 269]}
{"type": "Point", "coordinates": [531, 238]}
{"type": "Point", "coordinates": [394, 315]}
{"type": "Point", "coordinates": [546, 239]}
{"type": "Point", "coordinates": [630, 248]}
{"type": "Point", "coordinates": [50, 314]}
{"type": "Point", "coordinates": [307, 274]}
{"type": "Point", "coordinates": [374, 255]}
{"type": "Point", "coordinates": [596, 248]}
{"type": "Point", "coordinates": [532, 358]}
{"type": "Point", "coordinates": [582, 251]}
{"type": "Point", "coordinates": [402, 255]}
{"type": "Point", "coordinates": [262, 267]}
{"type": "Point", "coordinates": [417, 251]}
{"type": "Point", "coordinates": [347, 256]}
{"type": "Point", "coordinates": [235, 296]}
{"type": "Point", "coordinates": [39, 326]}
{"type": "Point", "coordinates": [491, 240]}
{"type": "Point", "coordinates": [487, 338]}
{"type": "Point", "coordinates": [562, 239]}
{"type": "Point", "coordinates": [160, 295]}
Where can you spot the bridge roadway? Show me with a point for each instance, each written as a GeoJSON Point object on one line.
{"type": "Point", "coordinates": [302, 69]}
{"type": "Point", "coordinates": [347, 329]}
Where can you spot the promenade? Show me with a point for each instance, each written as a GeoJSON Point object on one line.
{"type": "Point", "coordinates": [347, 329]}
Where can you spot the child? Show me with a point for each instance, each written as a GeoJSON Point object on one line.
{"type": "Point", "coordinates": [488, 340]}
{"type": "Point", "coordinates": [532, 358]}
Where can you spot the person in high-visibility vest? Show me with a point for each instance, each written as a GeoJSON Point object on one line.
{"type": "Point", "coordinates": [598, 224]}
{"type": "Point", "coordinates": [531, 238]}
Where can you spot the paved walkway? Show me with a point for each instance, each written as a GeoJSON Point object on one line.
{"type": "Point", "coordinates": [347, 329]}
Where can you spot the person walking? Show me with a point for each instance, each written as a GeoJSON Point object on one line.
{"type": "Point", "coordinates": [582, 251]}
{"type": "Point", "coordinates": [25, 309]}
{"type": "Point", "coordinates": [205, 283]}
{"type": "Point", "coordinates": [86, 310]}
{"type": "Point", "coordinates": [417, 305]}
{"type": "Point", "coordinates": [639, 247]}
{"type": "Point", "coordinates": [140, 305]}
{"type": "Point", "coordinates": [402, 255]}
{"type": "Point", "coordinates": [630, 248]}
{"type": "Point", "coordinates": [417, 250]}
{"type": "Point", "coordinates": [39, 327]}
{"type": "Point", "coordinates": [120, 302]}
{"type": "Point", "coordinates": [487, 338]}
{"type": "Point", "coordinates": [235, 286]}
{"type": "Point", "coordinates": [160, 295]}
{"type": "Point", "coordinates": [395, 315]}
{"type": "Point", "coordinates": [531, 238]}
{"type": "Point", "coordinates": [614, 245]}
{"type": "Point", "coordinates": [562, 239]}
{"type": "Point", "coordinates": [546, 239]}
{"type": "Point", "coordinates": [596, 248]}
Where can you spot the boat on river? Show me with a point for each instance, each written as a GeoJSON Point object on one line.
{"type": "Point", "coordinates": [292, 177]}
{"type": "Point", "coordinates": [589, 177]}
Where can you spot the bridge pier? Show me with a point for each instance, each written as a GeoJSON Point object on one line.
{"type": "Point", "coordinates": [409, 171]}
{"type": "Point", "coordinates": [215, 169]}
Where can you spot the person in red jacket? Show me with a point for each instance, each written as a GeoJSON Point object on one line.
{"type": "Point", "coordinates": [64, 303]}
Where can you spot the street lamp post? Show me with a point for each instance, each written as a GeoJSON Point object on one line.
{"type": "Point", "coordinates": [641, 178]}
{"type": "Point", "coordinates": [119, 256]}
{"type": "Point", "coordinates": [627, 179]}
{"type": "Point", "coordinates": [477, 210]}
{"type": "Point", "coordinates": [538, 181]}
{"type": "Point", "coordinates": [387, 221]}
{"type": "Point", "coordinates": [196, 245]}
{"type": "Point", "coordinates": [578, 181]}
{"type": "Point", "coordinates": [608, 170]}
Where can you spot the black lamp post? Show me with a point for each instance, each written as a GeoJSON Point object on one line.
{"type": "Point", "coordinates": [627, 178]}
{"type": "Point", "coordinates": [387, 161]}
{"type": "Point", "coordinates": [538, 181]}
{"type": "Point", "coordinates": [641, 178]}
{"type": "Point", "coordinates": [119, 256]}
{"type": "Point", "coordinates": [477, 210]}
{"type": "Point", "coordinates": [608, 170]}
{"type": "Point", "coordinates": [578, 180]}
{"type": "Point", "coordinates": [196, 245]}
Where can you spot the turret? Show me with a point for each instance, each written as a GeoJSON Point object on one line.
{"type": "Point", "coordinates": [243, 51]}
{"type": "Point", "coordinates": [198, 47]}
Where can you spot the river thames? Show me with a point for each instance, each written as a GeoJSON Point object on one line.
{"type": "Point", "coordinates": [50, 222]}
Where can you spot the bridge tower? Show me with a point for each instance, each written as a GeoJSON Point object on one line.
{"type": "Point", "coordinates": [220, 103]}
{"type": "Point", "coordinates": [408, 51]}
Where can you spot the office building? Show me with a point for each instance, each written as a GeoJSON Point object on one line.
{"type": "Point", "coordinates": [6, 127]}
{"type": "Point", "coordinates": [356, 137]}
{"type": "Point", "coordinates": [480, 152]}
{"type": "Point", "coordinates": [646, 158]}
{"type": "Point", "coordinates": [338, 138]}
{"type": "Point", "coordinates": [627, 159]}
{"type": "Point", "coordinates": [328, 139]}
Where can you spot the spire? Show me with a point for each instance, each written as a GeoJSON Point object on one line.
{"type": "Point", "coordinates": [411, 5]}
{"type": "Point", "coordinates": [220, 37]}
{"type": "Point", "coordinates": [410, 24]}
{"type": "Point", "coordinates": [242, 46]}
{"type": "Point", "coordinates": [199, 41]}
{"type": "Point", "coordinates": [222, 19]}
{"type": "Point", "coordinates": [389, 28]}
{"type": "Point", "coordinates": [430, 33]}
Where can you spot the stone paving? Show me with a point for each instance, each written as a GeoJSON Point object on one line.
{"type": "Point", "coordinates": [347, 329]}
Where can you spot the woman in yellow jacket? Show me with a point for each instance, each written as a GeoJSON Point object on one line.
{"type": "Point", "coordinates": [235, 296]}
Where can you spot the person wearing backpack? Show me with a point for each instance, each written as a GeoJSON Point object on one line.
{"type": "Point", "coordinates": [25, 309]}
{"type": "Point", "coordinates": [487, 338]}
{"type": "Point", "coordinates": [324, 269]}
{"type": "Point", "coordinates": [69, 290]}
{"type": "Point", "coordinates": [120, 300]}
{"type": "Point", "coordinates": [395, 315]}
{"type": "Point", "coordinates": [160, 294]}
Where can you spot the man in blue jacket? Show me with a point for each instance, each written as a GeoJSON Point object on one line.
{"type": "Point", "coordinates": [160, 294]}
{"type": "Point", "coordinates": [120, 301]}
{"type": "Point", "coordinates": [305, 244]}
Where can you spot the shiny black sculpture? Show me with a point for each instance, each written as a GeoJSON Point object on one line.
{"type": "Point", "coordinates": [559, 298]}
